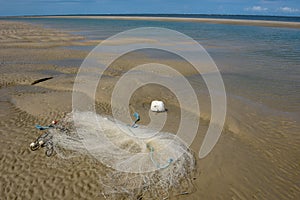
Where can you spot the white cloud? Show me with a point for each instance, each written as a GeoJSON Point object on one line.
{"type": "Point", "coordinates": [288, 9]}
{"type": "Point", "coordinates": [257, 8]}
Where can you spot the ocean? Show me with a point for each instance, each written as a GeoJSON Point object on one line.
{"type": "Point", "coordinates": [255, 157]}
{"type": "Point", "coordinates": [260, 65]}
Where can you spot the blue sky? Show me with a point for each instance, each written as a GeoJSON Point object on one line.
{"type": "Point", "coordinates": [52, 7]}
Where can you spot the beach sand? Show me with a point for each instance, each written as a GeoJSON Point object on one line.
{"type": "Point", "coordinates": [200, 20]}
{"type": "Point", "coordinates": [241, 166]}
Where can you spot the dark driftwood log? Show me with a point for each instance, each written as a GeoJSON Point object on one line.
{"type": "Point", "coordinates": [41, 80]}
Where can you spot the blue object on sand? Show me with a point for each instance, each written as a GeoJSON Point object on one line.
{"type": "Point", "coordinates": [137, 118]}
{"type": "Point", "coordinates": [42, 127]}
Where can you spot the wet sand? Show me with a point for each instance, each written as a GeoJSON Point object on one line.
{"type": "Point", "coordinates": [200, 20]}
{"type": "Point", "coordinates": [241, 166]}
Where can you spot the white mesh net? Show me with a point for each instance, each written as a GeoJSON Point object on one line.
{"type": "Point", "coordinates": [139, 163]}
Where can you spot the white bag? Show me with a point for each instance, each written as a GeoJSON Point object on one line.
{"type": "Point", "coordinates": [157, 106]}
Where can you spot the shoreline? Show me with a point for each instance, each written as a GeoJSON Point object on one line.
{"type": "Point", "coordinates": [265, 23]}
{"type": "Point", "coordinates": [242, 165]}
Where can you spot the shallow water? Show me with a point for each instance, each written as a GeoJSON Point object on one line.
{"type": "Point", "coordinates": [257, 155]}
{"type": "Point", "coordinates": [260, 66]}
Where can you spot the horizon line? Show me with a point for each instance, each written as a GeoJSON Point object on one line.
{"type": "Point", "coordinates": [151, 14]}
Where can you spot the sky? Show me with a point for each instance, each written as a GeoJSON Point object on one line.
{"type": "Point", "coordinates": [58, 7]}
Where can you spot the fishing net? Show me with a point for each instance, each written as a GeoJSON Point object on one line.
{"type": "Point", "coordinates": [140, 163]}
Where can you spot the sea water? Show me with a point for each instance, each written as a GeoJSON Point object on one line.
{"type": "Point", "coordinates": [260, 65]}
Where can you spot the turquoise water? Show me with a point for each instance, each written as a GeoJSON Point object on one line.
{"type": "Point", "coordinates": [260, 65]}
